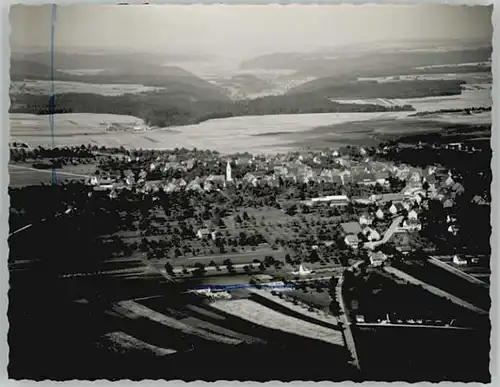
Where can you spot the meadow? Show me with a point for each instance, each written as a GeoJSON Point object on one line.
{"type": "Point", "coordinates": [43, 87]}
{"type": "Point", "coordinates": [256, 134]}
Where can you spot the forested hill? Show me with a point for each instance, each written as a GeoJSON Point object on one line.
{"type": "Point", "coordinates": [167, 109]}
{"type": "Point", "coordinates": [25, 69]}
{"type": "Point", "coordinates": [335, 88]}
{"type": "Point", "coordinates": [173, 78]}
{"type": "Point", "coordinates": [352, 64]}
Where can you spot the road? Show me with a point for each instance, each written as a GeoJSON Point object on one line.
{"type": "Point", "coordinates": [457, 272]}
{"type": "Point", "coordinates": [22, 229]}
{"type": "Point", "coordinates": [434, 290]}
{"type": "Point", "coordinates": [387, 235]}
{"type": "Point", "coordinates": [346, 324]}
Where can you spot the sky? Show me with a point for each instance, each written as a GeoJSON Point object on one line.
{"type": "Point", "coordinates": [241, 31]}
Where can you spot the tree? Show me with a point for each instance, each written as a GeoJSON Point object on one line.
{"type": "Point", "coordinates": [313, 256]}
{"type": "Point", "coordinates": [200, 269]}
{"type": "Point", "coordinates": [169, 269]}
{"type": "Point", "coordinates": [291, 210]}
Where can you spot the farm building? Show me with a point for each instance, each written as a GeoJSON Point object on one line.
{"type": "Point", "coordinates": [334, 200]}
{"type": "Point", "coordinates": [352, 241]}
{"type": "Point", "coordinates": [377, 258]}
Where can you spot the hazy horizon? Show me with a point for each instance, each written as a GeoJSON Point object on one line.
{"type": "Point", "coordinates": [241, 32]}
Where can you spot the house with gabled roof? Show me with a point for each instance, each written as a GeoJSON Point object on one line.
{"type": "Point", "coordinates": [396, 208]}
{"type": "Point", "coordinates": [457, 260]}
{"type": "Point", "coordinates": [371, 234]}
{"type": "Point", "coordinates": [412, 225]}
{"type": "Point", "coordinates": [380, 214]}
{"type": "Point", "coordinates": [412, 214]}
{"type": "Point", "coordinates": [250, 178]}
{"type": "Point", "coordinates": [457, 189]}
{"type": "Point", "coordinates": [477, 199]}
{"type": "Point", "coordinates": [352, 241]}
{"type": "Point", "coordinates": [365, 219]}
{"type": "Point", "coordinates": [377, 258]}
{"type": "Point", "coordinates": [389, 197]}
{"type": "Point", "coordinates": [453, 229]}
{"type": "Point", "coordinates": [448, 203]}
{"type": "Point", "coordinates": [202, 233]}
{"type": "Point", "coordinates": [382, 177]}
{"type": "Point", "coordinates": [449, 181]}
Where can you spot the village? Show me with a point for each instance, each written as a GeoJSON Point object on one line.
{"type": "Point", "coordinates": [364, 201]}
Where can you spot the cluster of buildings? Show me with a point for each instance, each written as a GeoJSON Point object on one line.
{"type": "Point", "coordinates": [322, 167]}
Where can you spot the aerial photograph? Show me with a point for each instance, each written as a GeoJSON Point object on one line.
{"type": "Point", "coordinates": [250, 193]}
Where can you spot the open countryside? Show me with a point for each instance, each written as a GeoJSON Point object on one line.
{"type": "Point", "coordinates": [303, 201]}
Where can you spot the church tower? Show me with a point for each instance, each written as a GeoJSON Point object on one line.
{"type": "Point", "coordinates": [229, 176]}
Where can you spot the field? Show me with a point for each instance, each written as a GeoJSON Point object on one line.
{"type": "Point", "coordinates": [258, 314]}
{"type": "Point", "coordinates": [378, 295]}
{"type": "Point", "coordinates": [42, 87]}
{"type": "Point", "coordinates": [280, 301]}
{"type": "Point", "coordinates": [469, 98]}
{"type": "Point", "coordinates": [255, 134]}
{"type": "Point", "coordinates": [126, 324]}
{"type": "Point", "coordinates": [470, 78]}
{"type": "Point", "coordinates": [449, 282]}
{"type": "Point", "coordinates": [23, 174]}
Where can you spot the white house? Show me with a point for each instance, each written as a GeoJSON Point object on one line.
{"type": "Point", "coordinates": [130, 180]}
{"type": "Point", "coordinates": [170, 187]}
{"type": "Point", "coordinates": [459, 260]}
{"type": "Point", "coordinates": [371, 234]}
{"type": "Point", "coordinates": [377, 258]}
{"type": "Point", "coordinates": [251, 179]}
{"type": "Point", "coordinates": [215, 234]}
{"type": "Point", "coordinates": [202, 232]}
{"type": "Point", "coordinates": [365, 219]}
{"type": "Point", "coordinates": [352, 241]}
{"type": "Point", "coordinates": [413, 215]}
{"type": "Point", "coordinates": [412, 225]}
{"type": "Point", "coordinates": [453, 229]}
{"type": "Point", "coordinates": [94, 180]}
{"type": "Point", "coordinates": [380, 214]}
{"type": "Point", "coordinates": [407, 205]}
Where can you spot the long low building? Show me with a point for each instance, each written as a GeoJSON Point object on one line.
{"type": "Point", "coordinates": [336, 200]}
